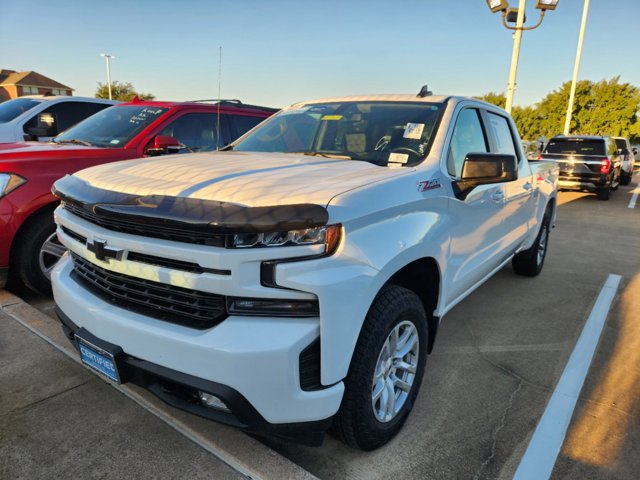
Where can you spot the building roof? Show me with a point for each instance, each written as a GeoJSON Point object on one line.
{"type": "Point", "coordinates": [30, 78]}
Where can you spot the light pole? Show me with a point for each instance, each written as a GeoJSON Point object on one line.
{"type": "Point", "coordinates": [517, 14]}
{"type": "Point", "coordinates": [572, 95]}
{"type": "Point", "coordinates": [107, 58]}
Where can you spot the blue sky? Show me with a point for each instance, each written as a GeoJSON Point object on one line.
{"type": "Point", "coordinates": [276, 52]}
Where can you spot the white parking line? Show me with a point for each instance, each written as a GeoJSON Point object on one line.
{"type": "Point", "coordinates": [635, 192]}
{"type": "Point", "coordinates": [634, 197]}
{"type": "Point", "coordinates": [544, 446]}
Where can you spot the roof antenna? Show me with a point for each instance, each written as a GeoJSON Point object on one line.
{"type": "Point", "coordinates": [219, 83]}
{"type": "Point", "coordinates": [424, 92]}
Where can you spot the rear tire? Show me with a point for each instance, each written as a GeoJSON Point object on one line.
{"type": "Point", "coordinates": [625, 178]}
{"type": "Point", "coordinates": [604, 193]}
{"type": "Point", "coordinates": [386, 370]}
{"type": "Point", "coordinates": [37, 251]}
{"type": "Point", "coordinates": [530, 262]}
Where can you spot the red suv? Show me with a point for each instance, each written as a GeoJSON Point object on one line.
{"type": "Point", "coordinates": [28, 244]}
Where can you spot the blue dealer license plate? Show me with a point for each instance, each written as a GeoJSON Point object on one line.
{"type": "Point", "coordinates": [98, 359]}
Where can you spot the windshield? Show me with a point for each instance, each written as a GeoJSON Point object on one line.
{"type": "Point", "coordinates": [376, 132]}
{"type": "Point", "coordinates": [576, 146]}
{"type": "Point", "coordinates": [12, 108]}
{"type": "Point", "coordinates": [113, 127]}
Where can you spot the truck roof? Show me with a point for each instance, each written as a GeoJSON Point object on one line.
{"type": "Point", "coordinates": [204, 104]}
{"type": "Point", "coordinates": [381, 98]}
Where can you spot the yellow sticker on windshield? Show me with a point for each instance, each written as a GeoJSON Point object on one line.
{"type": "Point", "coordinates": [332, 117]}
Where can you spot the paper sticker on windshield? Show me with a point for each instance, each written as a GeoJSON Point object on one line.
{"type": "Point", "coordinates": [413, 131]}
{"type": "Point", "coordinates": [115, 141]}
{"type": "Point", "coordinates": [332, 117]}
{"type": "Point", "coordinates": [398, 158]}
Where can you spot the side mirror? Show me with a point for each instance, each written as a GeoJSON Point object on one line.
{"type": "Point", "coordinates": [484, 169]}
{"type": "Point", "coordinates": [163, 144]}
{"type": "Point", "coordinates": [47, 126]}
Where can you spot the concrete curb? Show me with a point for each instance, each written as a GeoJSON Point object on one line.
{"type": "Point", "coordinates": [241, 452]}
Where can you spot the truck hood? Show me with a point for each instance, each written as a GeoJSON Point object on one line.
{"type": "Point", "coordinates": [38, 149]}
{"type": "Point", "coordinates": [241, 178]}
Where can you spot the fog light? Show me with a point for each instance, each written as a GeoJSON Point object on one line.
{"type": "Point", "coordinates": [212, 401]}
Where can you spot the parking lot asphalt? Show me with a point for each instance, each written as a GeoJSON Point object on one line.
{"type": "Point", "coordinates": [496, 362]}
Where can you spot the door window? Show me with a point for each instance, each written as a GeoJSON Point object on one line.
{"type": "Point", "coordinates": [501, 134]}
{"type": "Point", "coordinates": [198, 131]}
{"type": "Point", "coordinates": [243, 123]}
{"type": "Point", "coordinates": [468, 137]}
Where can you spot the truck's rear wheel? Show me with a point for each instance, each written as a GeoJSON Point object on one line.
{"type": "Point", "coordinates": [604, 193]}
{"type": "Point", "coordinates": [386, 370]}
{"type": "Point", "coordinates": [625, 178]}
{"type": "Point", "coordinates": [530, 262]}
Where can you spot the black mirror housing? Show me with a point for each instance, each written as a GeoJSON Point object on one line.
{"type": "Point", "coordinates": [47, 126]}
{"type": "Point", "coordinates": [484, 169]}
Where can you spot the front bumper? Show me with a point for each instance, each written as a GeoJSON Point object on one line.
{"type": "Point", "coordinates": [181, 391]}
{"type": "Point", "coordinates": [253, 363]}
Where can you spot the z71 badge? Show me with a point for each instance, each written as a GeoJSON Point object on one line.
{"type": "Point", "coordinates": [428, 184]}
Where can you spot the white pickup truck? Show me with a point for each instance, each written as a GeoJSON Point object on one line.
{"type": "Point", "coordinates": [296, 281]}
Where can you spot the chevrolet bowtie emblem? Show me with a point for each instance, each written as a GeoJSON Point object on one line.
{"type": "Point", "coordinates": [102, 252]}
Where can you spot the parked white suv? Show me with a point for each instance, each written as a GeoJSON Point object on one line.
{"type": "Point", "coordinates": [299, 278]}
{"type": "Point", "coordinates": [41, 117]}
{"type": "Point", "coordinates": [628, 159]}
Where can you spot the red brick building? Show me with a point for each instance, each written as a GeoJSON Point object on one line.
{"type": "Point", "coordinates": [17, 84]}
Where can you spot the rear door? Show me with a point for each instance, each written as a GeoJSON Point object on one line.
{"type": "Point", "coordinates": [519, 201]}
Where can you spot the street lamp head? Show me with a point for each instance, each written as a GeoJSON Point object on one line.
{"type": "Point", "coordinates": [547, 4]}
{"type": "Point", "coordinates": [498, 5]}
{"type": "Point", "coordinates": [107, 55]}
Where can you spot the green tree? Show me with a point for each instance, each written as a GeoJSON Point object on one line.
{"type": "Point", "coordinates": [607, 107]}
{"type": "Point", "coordinates": [497, 99]}
{"type": "Point", "coordinates": [123, 91]}
{"type": "Point", "coordinates": [527, 121]}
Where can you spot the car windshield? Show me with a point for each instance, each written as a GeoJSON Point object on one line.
{"type": "Point", "coordinates": [12, 108]}
{"type": "Point", "coordinates": [576, 146]}
{"type": "Point", "coordinates": [378, 132]}
{"type": "Point", "coordinates": [113, 127]}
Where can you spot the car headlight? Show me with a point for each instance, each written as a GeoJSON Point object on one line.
{"type": "Point", "coordinates": [9, 182]}
{"type": "Point", "coordinates": [329, 235]}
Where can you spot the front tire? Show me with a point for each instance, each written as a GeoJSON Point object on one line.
{"type": "Point", "coordinates": [37, 253]}
{"type": "Point", "coordinates": [386, 370]}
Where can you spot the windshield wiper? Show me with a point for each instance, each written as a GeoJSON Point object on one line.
{"type": "Point", "coordinates": [325, 155]}
{"type": "Point", "coordinates": [76, 141]}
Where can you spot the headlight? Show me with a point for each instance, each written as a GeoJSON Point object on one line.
{"type": "Point", "coordinates": [272, 307]}
{"type": "Point", "coordinates": [9, 182]}
{"type": "Point", "coordinates": [328, 235]}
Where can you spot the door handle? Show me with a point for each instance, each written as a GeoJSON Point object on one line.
{"type": "Point", "coordinates": [497, 196]}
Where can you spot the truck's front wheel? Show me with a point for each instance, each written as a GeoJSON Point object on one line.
{"type": "Point", "coordinates": [386, 370]}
